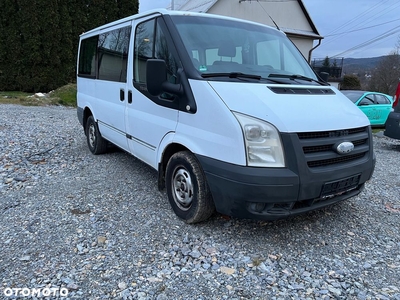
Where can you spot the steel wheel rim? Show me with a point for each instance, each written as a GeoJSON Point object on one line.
{"type": "Point", "coordinates": [182, 188]}
{"type": "Point", "coordinates": [92, 135]}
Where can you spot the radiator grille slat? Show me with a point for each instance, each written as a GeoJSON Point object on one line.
{"type": "Point", "coordinates": [319, 147]}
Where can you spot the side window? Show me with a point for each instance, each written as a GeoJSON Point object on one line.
{"type": "Point", "coordinates": [144, 41]}
{"type": "Point", "coordinates": [368, 100]}
{"type": "Point", "coordinates": [151, 42]}
{"type": "Point", "coordinates": [113, 47]}
{"type": "Point", "coordinates": [162, 51]}
{"type": "Point", "coordinates": [87, 57]}
{"type": "Point", "coordinates": [380, 99]}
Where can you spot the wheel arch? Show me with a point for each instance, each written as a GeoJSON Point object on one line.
{"type": "Point", "coordinates": [86, 114]}
{"type": "Point", "coordinates": [169, 150]}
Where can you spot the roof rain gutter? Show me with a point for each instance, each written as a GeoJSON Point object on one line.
{"type": "Point", "coordinates": [312, 49]}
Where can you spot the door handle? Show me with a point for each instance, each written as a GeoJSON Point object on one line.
{"type": "Point", "coordinates": [121, 94]}
{"type": "Point", "coordinates": [129, 97]}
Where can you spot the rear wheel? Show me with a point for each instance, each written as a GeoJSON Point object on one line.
{"type": "Point", "coordinates": [96, 143]}
{"type": "Point", "coordinates": [188, 192]}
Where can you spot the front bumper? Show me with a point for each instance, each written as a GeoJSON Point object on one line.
{"type": "Point", "coordinates": [271, 194]}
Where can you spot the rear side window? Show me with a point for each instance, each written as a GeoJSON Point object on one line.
{"type": "Point", "coordinates": [380, 99]}
{"type": "Point", "coordinates": [87, 57]}
{"type": "Point", "coordinates": [112, 51]}
{"type": "Point", "coordinates": [105, 56]}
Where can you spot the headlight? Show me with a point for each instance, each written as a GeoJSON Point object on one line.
{"type": "Point", "coordinates": [262, 141]}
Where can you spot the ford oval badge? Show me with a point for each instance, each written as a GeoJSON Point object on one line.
{"type": "Point", "coordinates": [345, 147]}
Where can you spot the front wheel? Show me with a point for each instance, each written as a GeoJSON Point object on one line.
{"type": "Point", "coordinates": [96, 143]}
{"type": "Point", "coordinates": [187, 189]}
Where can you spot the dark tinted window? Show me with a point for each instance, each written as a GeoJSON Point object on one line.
{"type": "Point", "coordinates": [87, 57]}
{"type": "Point", "coordinates": [151, 42]}
{"type": "Point", "coordinates": [162, 51]}
{"type": "Point", "coordinates": [107, 51]}
{"type": "Point", "coordinates": [113, 47]}
{"type": "Point", "coordinates": [144, 41]}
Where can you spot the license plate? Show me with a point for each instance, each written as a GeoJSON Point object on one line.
{"type": "Point", "coordinates": [336, 188]}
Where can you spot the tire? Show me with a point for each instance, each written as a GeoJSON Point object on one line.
{"type": "Point", "coordinates": [187, 188]}
{"type": "Point", "coordinates": [96, 143]}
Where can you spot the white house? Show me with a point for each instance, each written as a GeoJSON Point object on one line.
{"type": "Point", "coordinates": [290, 16]}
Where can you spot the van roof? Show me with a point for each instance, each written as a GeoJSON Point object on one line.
{"type": "Point", "coordinates": [162, 11]}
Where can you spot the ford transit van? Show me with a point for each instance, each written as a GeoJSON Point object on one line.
{"type": "Point", "coordinates": [227, 111]}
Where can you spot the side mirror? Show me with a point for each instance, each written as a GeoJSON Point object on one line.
{"type": "Point", "coordinates": [156, 78]}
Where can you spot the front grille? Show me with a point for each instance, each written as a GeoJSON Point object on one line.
{"type": "Point", "coordinates": [327, 134]}
{"type": "Point", "coordinates": [319, 147]}
{"type": "Point", "coordinates": [332, 161]}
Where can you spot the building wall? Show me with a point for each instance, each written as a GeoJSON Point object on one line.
{"type": "Point", "coordinates": [287, 14]}
{"type": "Point", "coordinates": [303, 44]}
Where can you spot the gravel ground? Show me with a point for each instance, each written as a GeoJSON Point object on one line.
{"type": "Point", "coordinates": [98, 226]}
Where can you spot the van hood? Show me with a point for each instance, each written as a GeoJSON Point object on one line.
{"type": "Point", "coordinates": [292, 108]}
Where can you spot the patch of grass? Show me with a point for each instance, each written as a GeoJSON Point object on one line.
{"type": "Point", "coordinates": [65, 95]}
{"type": "Point", "coordinates": [13, 97]}
{"type": "Point", "coordinates": [376, 130]}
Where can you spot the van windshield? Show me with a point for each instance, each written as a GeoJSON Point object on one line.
{"type": "Point", "coordinates": [220, 46]}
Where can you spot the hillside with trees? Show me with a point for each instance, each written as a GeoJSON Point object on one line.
{"type": "Point", "coordinates": [379, 74]}
{"type": "Point", "coordinates": [39, 39]}
{"type": "Point", "coordinates": [360, 65]}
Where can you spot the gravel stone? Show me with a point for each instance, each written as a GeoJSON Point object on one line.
{"type": "Point", "coordinates": [98, 226]}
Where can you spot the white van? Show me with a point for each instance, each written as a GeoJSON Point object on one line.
{"type": "Point", "coordinates": [228, 111]}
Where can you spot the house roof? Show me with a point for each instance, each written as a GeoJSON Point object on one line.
{"type": "Point", "coordinates": [203, 6]}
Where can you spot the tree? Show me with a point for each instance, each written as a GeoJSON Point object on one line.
{"type": "Point", "coordinates": [326, 62]}
{"type": "Point", "coordinates": [39, 38]}
{"type": "Point", "coordinates": [386, 75]}
{"type": "Point", "coordinates": [10, 40]}
{"type": "Point", "coordinates": [350, 82]}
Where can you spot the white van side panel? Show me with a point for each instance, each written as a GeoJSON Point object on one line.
{"type": "Point", "coordinates": [147, 123]}
{"type": "Point", "coordinates": [85, 95]}
{"type": "Point", "coordinates": [110, 111]}
{"type": "Point", "coordinates": [213, 130]}
{"type": "Point", "coordinates": [103, 109]}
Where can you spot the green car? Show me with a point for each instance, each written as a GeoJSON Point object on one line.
{"type": "Point", "coordinates": [376, 106]}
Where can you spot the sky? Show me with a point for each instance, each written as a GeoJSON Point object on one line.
{"type": "Point", "coordinates": [351, 28]}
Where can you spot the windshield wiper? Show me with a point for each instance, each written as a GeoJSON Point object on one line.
{"type": "Point", "coordinates": [297, 76]}
{"type": "Point", "coordinates": [231, 75]}
{"type": "Point", "coordinates": [239, 75]}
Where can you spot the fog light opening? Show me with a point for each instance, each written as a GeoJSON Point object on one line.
{"type": "Point", "coordinates": [258, 206]}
